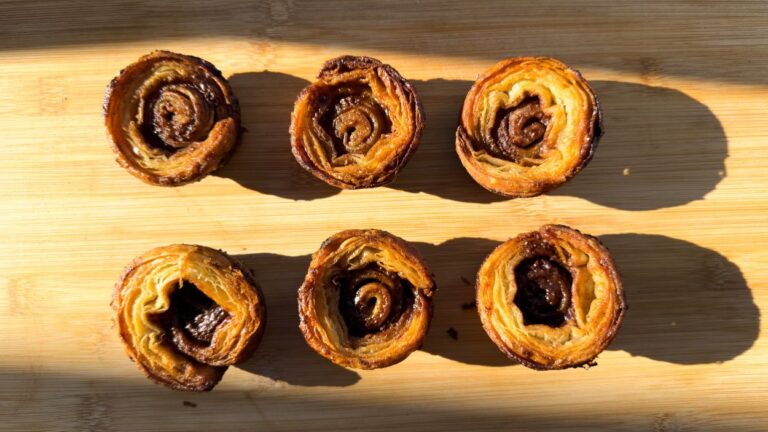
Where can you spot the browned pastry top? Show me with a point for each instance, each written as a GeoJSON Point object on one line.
{"type": "Point", "coordinates": [172, 118]}
{"type": "Point", "coordinates": [528, 124]}
{"type": "Point", "coordinates": [366, 300]}
{"type": "Point", "coordinates": [357, 125]}
{"type": "Point", "coordinates": [186, 312]}
{"type": "Point", "coordinates": [551, 298]}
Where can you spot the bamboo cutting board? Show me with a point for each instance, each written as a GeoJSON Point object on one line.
{"type": "Point", "coordinates": [678, 190]}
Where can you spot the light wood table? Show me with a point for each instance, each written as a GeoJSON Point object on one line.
{"type": "Point", "coordinates": [678, 190]}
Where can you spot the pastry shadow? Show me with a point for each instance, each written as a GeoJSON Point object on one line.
{"type": "Point", "coordinates": [283, 355]}
{"type": "Point", "coordinates": [263, 162]}
{"type": "Point", "coordinates": [435, 168]}
{"type": "Point", "coordinates": [661, 148]}
{"type": "Point", "coordinates": [687, 304]}
{"type": "Point", "coordinates": [456, 332]}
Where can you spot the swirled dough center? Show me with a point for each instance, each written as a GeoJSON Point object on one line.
{"type": "Point", "coordinates": [371, 299]}
{"type": "Point", "coordinates": [543, 291]}
{"type": "Point", "coordinates": [519, 131]}
{"type": "Point", "coordinates": [352, 120]}
{"type": "Point", "coordinates": [176, 116]}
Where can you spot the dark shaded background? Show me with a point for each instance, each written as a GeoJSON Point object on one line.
{"type": "Point", "coordinates": [683, 39]}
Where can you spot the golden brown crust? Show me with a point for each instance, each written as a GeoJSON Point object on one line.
{"type": "Point", "coordinates": [171, 118]}
{"type": "Point", "coordinates": [185, 313]}
{"type": "Point", "coordinates": [551, 299]}
{"type": "Point", "coordinates": [357, 125]}
{"type": "Point", "coordinates": [366, 301]}
{"type": "Point", "coordinates": [528, 125]}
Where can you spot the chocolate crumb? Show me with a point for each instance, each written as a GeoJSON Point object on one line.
{"type": "Point", "coordinates": [466, 281]}
{"type": "Point", "coordinates": [453, 333]}
{"type": "Point", "coordinates": [190, 404]}
{"type": "Point", "coordinates": [469, 305]}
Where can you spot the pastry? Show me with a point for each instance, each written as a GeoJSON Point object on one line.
{"type": "Point", "coordinates": [172, 118]}
{"type": "Point", "coordinates": [366, 301]}
{"type": "Point", "coordinates": [357, 125]}
{"type": "Point", "coordinates": [185, 313]}
{"type": "Point", "coordinates": [551, 299]}
{"type": "Point", "coordinates": [528, 125]}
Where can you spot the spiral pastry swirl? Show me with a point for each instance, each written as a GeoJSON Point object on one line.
{"type": "Point", "coordinates": [366, 301]}
{"type": "Point", "coordinates": [172, 118]}
{"type": "Point", "coordinates": [528, 125]}
{"type": "Point", "coordinates": [551, 299]}
{"type": "Point", "coordinates": [357, 125]}
{"type": "Point", "coordinates": [185, 313]}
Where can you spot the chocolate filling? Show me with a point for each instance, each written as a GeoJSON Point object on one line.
{"type": "Point", "coordinates": [372, 299]}
{"type": "Point", "coordinates": [352, 119]}
{"type": "Point", "coordinates": [192, 319]}
{"type": "Point", "coordinates": [178, 114]}
{"type": "Point", "coordinates": [543, 291]}
{"type": "Point", "coordinates": [519, 132]}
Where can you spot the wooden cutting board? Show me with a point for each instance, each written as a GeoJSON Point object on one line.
{"type": "Point", "coordinates": [678, 190]}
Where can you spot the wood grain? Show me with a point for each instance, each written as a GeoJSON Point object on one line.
{"type": "Point", "coordinates": [677, 190]}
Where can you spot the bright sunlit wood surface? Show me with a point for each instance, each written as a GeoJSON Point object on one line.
{"type": "Point", "coordinates": [678, 190]}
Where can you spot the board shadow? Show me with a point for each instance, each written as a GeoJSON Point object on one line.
{"type": "Point", "coordinates": [35, 400]}
{"type": "Point", "coordinates": [649, 46]}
